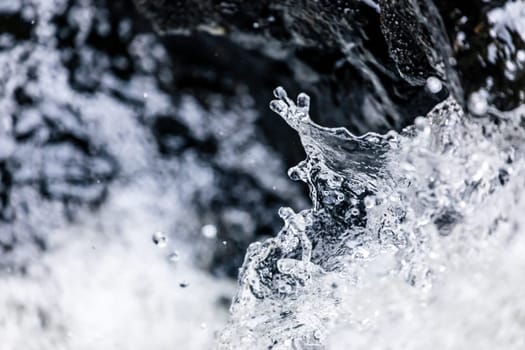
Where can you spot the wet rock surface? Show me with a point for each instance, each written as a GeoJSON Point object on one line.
{"type": "Point", "coordinates": [356, 46]}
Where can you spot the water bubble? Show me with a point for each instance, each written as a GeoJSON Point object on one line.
{"type": "Point", "coordinates": [284, 288]}
{"type": "Point", "coordinates": [209, 231]}
{"type": "Point", "coordinates": [370, 202]}
{"type": "Point", "coordinates": [434, 85]}
{"type": "Point", "coordinates": [421, 124]}
{"type": "Point", "coordinates": [332, 197]}
{"type": "Point", "coordinates": [334, 182]}
{"type": "Point", "coordinates": [373, 139]}
{"type": "Point", "coordinates": [160, 239]}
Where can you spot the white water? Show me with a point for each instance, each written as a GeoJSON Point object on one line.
{"type": "Point", "coordinates": [414, 240]}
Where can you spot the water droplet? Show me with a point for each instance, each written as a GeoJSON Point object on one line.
{"type": "Point", "coordinates": [395, 198]}
{"type": "Point", "coordinates": [434, 85]}
{"type": "Point", "coordinates": [160, 239]}
{"type": "Point", "coordinates": [209, 231]}
{"type": "Point", "coordinates": [279, 107]}
{"type": "Point", "coordinates": [392, 138]}
{"type": "Point", "coordinates": [520, 56]}
{"type": "Point", "coordinates": [286, 212]}
{"type": "Point", "coordinates": [303, 101]}
{"type": "Point", "coordinates": [295, 173]}
{"type": "Point", "coordinates": [421, 123]}
{"type": "Point", "coordinates": [477, 103]}
{"type": "Point", "coordinates": [174, 257]}
{"type": "Point", "coordinates": [280, 93]}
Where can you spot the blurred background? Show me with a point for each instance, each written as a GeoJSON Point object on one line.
{"type": "Point", "coordinates": [134, 171]}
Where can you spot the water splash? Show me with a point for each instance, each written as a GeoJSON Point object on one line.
{"type": "Point", "coordinates": [390, 212]}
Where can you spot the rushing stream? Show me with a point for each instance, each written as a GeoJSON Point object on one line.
{"type": "Point", "coordinates": [134, 181]}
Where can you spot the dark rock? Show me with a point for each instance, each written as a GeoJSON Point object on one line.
{"type": "Point", "coordinates": [341, 47]}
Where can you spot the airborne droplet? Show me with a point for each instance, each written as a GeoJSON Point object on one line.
{"type": "Point", "coordinates": [160, 239]}
{"type": "Point", "coordinates": [434, 85]}
{"type": "Point", "coordinates": [174, 257]}
{"type": "Point", "coordinates": [209, 231]}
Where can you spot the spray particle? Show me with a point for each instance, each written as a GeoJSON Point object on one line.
{"type": "Point", "coordinates": [174, 256]}
{"type": "Point", "coordinates": [477, 103]}
{"type": "Point", "coordinates": [434, 85]}
{"type": "Point", "coordinates": [160, 239]}
{"type": "Point", "coordinates": [209, 231]}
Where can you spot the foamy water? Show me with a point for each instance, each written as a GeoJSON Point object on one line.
{"type": "Point", "coordinates": [413, 241]}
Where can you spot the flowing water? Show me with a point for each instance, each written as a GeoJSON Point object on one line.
{"type": "Point", "coordinates": [404, 245]}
